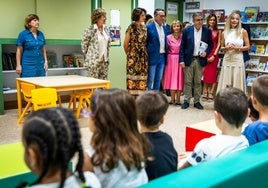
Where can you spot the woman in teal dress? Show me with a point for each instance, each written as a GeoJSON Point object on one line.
{"type": "Point", "coordinates": [31, 55]}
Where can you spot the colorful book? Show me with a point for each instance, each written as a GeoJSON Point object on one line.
{"type": "Point", "coordinates": [253, 48]}
{"type": "Point", "coordinates": [266, 67]}
{"type": "Point", "coordinates": [250, 78]}
{"type": "Point", "coordinates": [260, 49]}
{"type": "Point", "coordinates": [260, 17]}
{"type": "Point", "coordinates": [206, 13]}
{"type": "Point", "coordinates": [220, 14]}
{"type": "Point", "coordinates": [79, 60]}
{"type": "Point", "coordinates": [51, 60]}
{"type": "Point", "coordinates": [265, 16]}
{"type": "Point", "coordinates": [253, 63]}
{"type": "Point", "coordinates": [259, 32]}
{"type": "Point", "coordinates": [251, 13]}
{"type": "Point", "coordinates": [68, 60]}
{"type": "Point", "coordinates": [261, 66]}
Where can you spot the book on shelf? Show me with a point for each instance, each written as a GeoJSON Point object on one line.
{"type": "Point", "coordinates": [220, 14]}
{"type": "Point", "coordinates": [79, 60]}
{"type": "Point", "coordinates": [253, 48]}
{"type": "Point", "coordinates": [68, 60]}
{"type": "Point", "coordinates": [243, 18]}
{"type": "Point", "coordinates": [250, 78]}
{"type": "Point", "coordinates": [266, 67]}
{"type": "Point", "coordinates": [253, 63]}
{"type": "Point", "coordinates": [266, 49]}
{"type": "Point", "coordinates": [259, 32]}
{"type": "Point", "coordinates": [251, 13]}
{"type": "Point", "coordinates": [260, 49]}
{"type": "Point", "coordinates": [260, 17]}
{"type": "Point", "coordinates": [261, 66]}
{"type": "Point", "coordinates": [206, 13]}
{"type": "Point", "coordinates": [9, 61]}
{"type": "Point", "coordinates": [51, 60]}
{"type": "Point", "coordinates": [265, 16]}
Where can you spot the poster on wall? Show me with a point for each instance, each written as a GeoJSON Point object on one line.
{"type": "Point", "coordinates": [172, 8]}
{"type": "Point", "coordinates": [115, 29]}
{"type": "Point", "coordinates": [115, 35]}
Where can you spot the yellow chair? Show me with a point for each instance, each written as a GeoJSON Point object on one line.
{"type": "Point", "coordinates": [44, 98]}
{"type": "Point", "coordinates": [26, 90]}
{"type": "Point", "coordinates": [83, 98]}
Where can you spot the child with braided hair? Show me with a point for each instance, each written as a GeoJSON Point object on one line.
{"type": "Point", "coordinates": [118, 150]}
{"type": "Point", "coordinates": [51, 138]}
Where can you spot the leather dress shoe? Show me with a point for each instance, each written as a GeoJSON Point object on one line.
{"type": "Point", "coordinates": [198, 106]}
{"type": "Point", "coordinates": [185, 105]}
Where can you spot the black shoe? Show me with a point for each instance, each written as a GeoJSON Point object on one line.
{"type": "Point", "coordinates": [198, 106]}
{"type": "Point", "coordinates": [185, 105]}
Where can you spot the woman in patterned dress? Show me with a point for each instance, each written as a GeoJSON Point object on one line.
{"type": "Point", "coordinates": [135, 49]}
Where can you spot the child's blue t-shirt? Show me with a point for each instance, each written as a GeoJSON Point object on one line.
{"type": "Point", "coordinates": [256, 132]}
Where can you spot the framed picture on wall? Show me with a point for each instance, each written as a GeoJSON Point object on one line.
{"type": "Point", "coordinates": [115, 35]}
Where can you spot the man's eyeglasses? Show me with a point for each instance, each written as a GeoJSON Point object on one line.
{"type": "Point", "coordinates": [199, 20]}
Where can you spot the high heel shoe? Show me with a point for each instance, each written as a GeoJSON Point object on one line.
{"type": "Point", "coordinates": [172, 102]}
{"type": "Point", "coordinates": [210, 97]}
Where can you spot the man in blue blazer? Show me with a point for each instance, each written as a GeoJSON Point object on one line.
{"type": "Point", "coordinates": [196, 44]}
{"type": "Point", "coordinates": [156, 37]}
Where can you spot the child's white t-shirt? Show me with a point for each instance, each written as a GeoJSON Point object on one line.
{"type": "Point", "coordinates": [216, 146]}
{"type": "Point", "coordinates": [74, 182]}
{"type": "Point", "coordinates": [119, 176]}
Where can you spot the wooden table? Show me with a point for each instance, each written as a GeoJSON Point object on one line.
{"type": "Point", "coordinates": [61, 83]}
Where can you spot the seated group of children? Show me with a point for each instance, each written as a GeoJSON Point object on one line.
{"type": "Point", "coordinates": [119, 155]}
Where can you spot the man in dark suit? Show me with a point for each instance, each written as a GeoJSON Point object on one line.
{"type": "Point", "coordinates": [194, 58]}
{"type": "Point", "coordinates": [156, 37]}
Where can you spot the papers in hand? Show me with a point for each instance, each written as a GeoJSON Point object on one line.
{"type": "Point", "coordinates": [202, 47]}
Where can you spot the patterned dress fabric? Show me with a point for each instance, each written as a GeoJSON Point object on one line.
{"type": "Point", "coordinates": [137, 60]}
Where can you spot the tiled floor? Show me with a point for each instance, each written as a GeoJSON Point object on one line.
{"type": "Point", "coordinates": [175, 121]}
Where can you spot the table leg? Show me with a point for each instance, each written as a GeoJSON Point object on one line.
{"type": "Point", "coordinates": [19, 98]}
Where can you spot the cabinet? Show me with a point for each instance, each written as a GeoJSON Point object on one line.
{"type": "Point", "coordinates": [60, 47]}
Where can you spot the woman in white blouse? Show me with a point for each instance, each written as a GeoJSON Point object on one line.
{"type": "Point", "coordinates": [95, 46]}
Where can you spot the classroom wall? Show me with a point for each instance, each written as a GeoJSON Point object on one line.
{"type": "Point", "coordinates": [64, 19]}
{"type": "Point", "coordinates": [12, 14]}
{"type": "Point", "coordinates": [117, 68]}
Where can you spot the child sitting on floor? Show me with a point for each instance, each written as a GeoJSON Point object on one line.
{"type": "Point", "coordinates": [152, 107]}
{"type": "Point", "coordinates": [231, 110]}
{"type": "Point", "coordinates": [51, 138]}
{"type": "Point", "coordinates": [118, 151]}
{"type": "Point", "coordinates": [258, 130]}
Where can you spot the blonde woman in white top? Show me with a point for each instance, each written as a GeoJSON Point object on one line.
{"type": "Point", "coordinates": [234, 41]}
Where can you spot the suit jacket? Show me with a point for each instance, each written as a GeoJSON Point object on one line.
{"type": "Point", "coordinates": [153, 44]}
{"type": "Point", "coordinates": [187, 45]}
{"type": "Point", "coordinates": [90, 45]}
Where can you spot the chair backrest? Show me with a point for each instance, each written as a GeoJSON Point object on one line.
{"type": "Point", "coordinates": [27, 90]}
{"type": "Point", "coordinates": [44, 98]}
